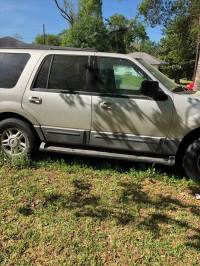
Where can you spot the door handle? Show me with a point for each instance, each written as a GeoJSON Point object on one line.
{"type": "Point", "coordinates": [36, 100]}
{"type": "Point", "coordinates": [106, 105]}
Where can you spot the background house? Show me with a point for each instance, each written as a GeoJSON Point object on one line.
{"type": "Point", "coordinates": [148, 58]}
{"type": "Point", "coordinates": [11, 42]}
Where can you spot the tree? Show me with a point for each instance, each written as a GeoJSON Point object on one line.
{"type": "Point", "coordinates": [89, 29]}
{"type": "Point", "coordinates": [197, 66]}
{"type": "Point", "coordinates": [179, 19]}
{"type": "Point", "coordinates": [50, 39]}
{"type": "Point", "coordinates": [197, 79]}
{"type": "Point", "coordinates": [178, 49]}
{"type": "Point", "coordinates": [90, 8]}
{"type": "Point", "coordinates": [149, 47]}
{"type": "Point", "coordinates": [162, 12]}
{"type": "Point", "coordinates": [124, 34]}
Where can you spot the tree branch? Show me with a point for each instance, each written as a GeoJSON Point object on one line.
{"type": "Point", "coordinates": [66, 15]}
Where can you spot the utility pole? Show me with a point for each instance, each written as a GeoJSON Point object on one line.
{"type": "Point", "coordinates": [44, 35]}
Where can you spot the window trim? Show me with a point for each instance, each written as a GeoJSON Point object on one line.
{"type": "Point", "coordinates": [13, 53]}
{"type": "Point", "coordinates": [128, 96]}
{"type": "Point", "coordinates": [49, 71]}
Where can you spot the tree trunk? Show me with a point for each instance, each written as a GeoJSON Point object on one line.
{"type": "Point", "coordinates": [197, 78]}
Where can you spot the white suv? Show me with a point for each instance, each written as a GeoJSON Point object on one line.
{"type": "Point", "coordinates": [96, 104]}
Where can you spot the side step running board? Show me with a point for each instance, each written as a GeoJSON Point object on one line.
{"type": "Point", "coordinates": [110, 155]}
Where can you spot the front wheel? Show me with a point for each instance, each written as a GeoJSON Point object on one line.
{"type": "Point", "coordinates": [191, 160]}
{"type": "Point", "coordinates": [17, 138]}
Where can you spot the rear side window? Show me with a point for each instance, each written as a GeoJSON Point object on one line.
{"type": "Point", "coordinates": [11, 68]}
{"type": "Point", "coordinates": [41, 79]}
{"type": "Point", "coordinates": [63, 73]}
{"type": "Point", "coordinates": [68, 73]}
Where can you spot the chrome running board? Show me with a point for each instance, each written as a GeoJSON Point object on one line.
{"type": "Point", "coordinates": [109, 155]}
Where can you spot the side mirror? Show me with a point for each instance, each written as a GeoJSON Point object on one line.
{"type": "Point", "coordinates": [151, 89]}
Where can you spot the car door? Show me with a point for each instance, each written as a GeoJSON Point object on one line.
{"type": "Point", "coordinates": [56, 98]}
{"type": "Point", "coordinates": [122, 118]}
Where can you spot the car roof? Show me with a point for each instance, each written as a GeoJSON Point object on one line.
{"type": "Point", "coordinates": [58, 49]}
{"type": "Point", "coordinates": [47, 48]}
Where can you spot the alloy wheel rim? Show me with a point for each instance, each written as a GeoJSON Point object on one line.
{"type": "Point", "coordinates": [13, 142]}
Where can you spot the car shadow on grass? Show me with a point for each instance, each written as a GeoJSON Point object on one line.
{"type": "Point", "coordinates": [120, 166]}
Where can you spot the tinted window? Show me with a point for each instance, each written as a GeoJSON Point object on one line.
{"type": "Point", "coordinates": [117, 75]}
{"type": "Point", "coordinates": [41, 79]}
{"type": "Point", "coordinates": [11, 67]}
{"type": "Point", "coordinates": [68, 73]}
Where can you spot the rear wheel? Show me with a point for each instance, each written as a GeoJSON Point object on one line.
{"type": "Point", "coordinates": [191, 160]}
{"type": "Point", "coordinates": [17, 138]}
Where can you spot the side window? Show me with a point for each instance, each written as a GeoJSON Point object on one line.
{"type": "Point", "coordinates": [68, 73]}
{"type": "Point", "coordinates": [118, 76]}
{"type": "Point", "coordinates": [11, 68]}
{"type": "Point", "coordinates": [42, 77]}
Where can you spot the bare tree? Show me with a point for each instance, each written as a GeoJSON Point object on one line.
{"type": "Point", "coordinates": [197, 61]}
{"type": "Point", "coordinates": [67, 10]}
{"type": "Point", "coordinates": [197, 79]}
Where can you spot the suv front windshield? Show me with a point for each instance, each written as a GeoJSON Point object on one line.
{"type": "Point", "coordinates": [168, 83]}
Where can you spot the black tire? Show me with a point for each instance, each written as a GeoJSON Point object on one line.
{"type": "Point", "coordinates": [191, 160]}
{"type": "Point", "coordinates": [30, 140]}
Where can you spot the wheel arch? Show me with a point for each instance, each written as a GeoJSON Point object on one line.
{"type": "Point", "coordinates": [37, 131]}
{"type": "Point", "coordinates": [186, 141]}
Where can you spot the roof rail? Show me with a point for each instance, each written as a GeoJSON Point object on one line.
{"type": "Point", "coordinates": [45, 47]}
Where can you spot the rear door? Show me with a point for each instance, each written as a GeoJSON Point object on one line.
{"type": "Point", "coordinates": [56, 98]}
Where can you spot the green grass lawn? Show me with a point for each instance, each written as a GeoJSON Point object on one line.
{"type": "Point", "coordinates": [95, 212]}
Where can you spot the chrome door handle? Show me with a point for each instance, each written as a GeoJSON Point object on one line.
{"type": "Point", "coordinates": [106, 105]}
{"type": "Point", "coordinates": [36, 100]}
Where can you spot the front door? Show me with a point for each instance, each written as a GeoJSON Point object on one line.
{"type": "Point", "coordinates": [122, 118]}
{"type": "Point", "coordinates": [56, 99]}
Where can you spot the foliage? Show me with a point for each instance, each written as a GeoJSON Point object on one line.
{"type": "Point", "coordinates": [90, 8]}
{"type": "Point", "coordinates": [50, 39]}
{"type": "Point", "coordinates": [178, 49]}
{"type": "Point", "coordinates": [147, 46]}
{"type": "Point", "coordinates": [89, 29]}
{"type": "Point", "coordinates": [179, 18]}
{"type": "Point", "coordinates": [124, 34]}
{"type": "Point", "coordinates": [162, 12]}
{"type": "Point", "coordinates": [86, 32]}
{"type": "Point", "coordinates": [118, 34]}
{"type": "Point", "coordinates": [91, 212]}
